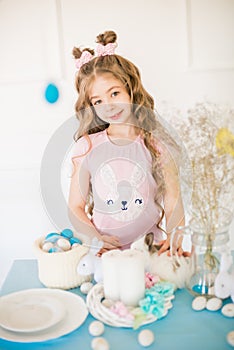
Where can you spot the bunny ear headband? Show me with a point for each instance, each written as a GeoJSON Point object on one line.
{"type": "Point", "coordinates": [101, 50]}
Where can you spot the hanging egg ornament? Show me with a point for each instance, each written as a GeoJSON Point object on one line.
{"type": "Point", "coordinates": [51, 93]}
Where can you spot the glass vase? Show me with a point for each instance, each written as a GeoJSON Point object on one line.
{"type": "Point", "coordinates": [210, 256]}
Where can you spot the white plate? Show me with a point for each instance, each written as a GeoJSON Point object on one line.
{"type": "Point", "coordinates": [30, 311]}
{"type": "Point", "coordinates": [75, 315]}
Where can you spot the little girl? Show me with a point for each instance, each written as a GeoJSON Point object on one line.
{"type": "Point", "coordinates": [124, 179]}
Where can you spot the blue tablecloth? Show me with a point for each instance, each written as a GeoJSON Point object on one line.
{"type": "Point", "coordinates": [182, 328]}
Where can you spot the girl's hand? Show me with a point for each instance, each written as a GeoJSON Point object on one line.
{"type": "Point", "coordinates": [165, 246]}
{"type": "Point", "coordinates": [110, 242]}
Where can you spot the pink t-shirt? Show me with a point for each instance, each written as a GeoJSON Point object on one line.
{"type": "Point", "coordinates": [123, 186]}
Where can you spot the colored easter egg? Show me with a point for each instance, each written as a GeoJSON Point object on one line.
{"type": "Point", "coordinates": [51, 93]}
{"type": "Point", "coordinates": [51, 234]}
{"type": "Point", "coordinates": [55, 250]}
{"type": "Point", "coordinates": [52, 237]}
{"type": "Point", "coordinates": [200, 289]}
{"type": "Point", "coordinates": [75, 240]}
{"type": "Point", "coordinates": [67, 233]}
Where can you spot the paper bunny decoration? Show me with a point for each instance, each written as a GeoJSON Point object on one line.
{"type": "Point", "coordinates": [90, 264]}
{"type": "Point", "coordinates": [175, 269]}
{"type": "Point", "coordinates": [224, 281]}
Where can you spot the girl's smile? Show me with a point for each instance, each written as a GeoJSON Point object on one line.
{"type": "Point", "coordinates": [110, 99]}
{"type": "Point", "coordinates": [116, 116]}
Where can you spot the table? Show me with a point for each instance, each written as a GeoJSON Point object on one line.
{"type": "Point", "coordinates": [181, 329]}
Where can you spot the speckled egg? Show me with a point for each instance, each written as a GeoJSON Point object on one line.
{"type": "Point", "coordinates": [146, 337]}
{"type": "Point", "coordinates": [86, 287]}
{"type": "Point", "coordinates": [96, 328]}
{"type": "Point", "coordinates": [214, 304]}
{"type": "Point", "coordinates": [199, 303]}
{"type": "Point", "coordinates": [230, 338]}
{"type": "Point", "coordinates": [228, 310]}
{"type": "Point", "coordinates": [46, 246]}
{"type": "Point", "coordinates": [100, 343]}
{"type": "Point", "coordinates": [64, 244]}
{"type": "Point", "coordinates": [75, 245]}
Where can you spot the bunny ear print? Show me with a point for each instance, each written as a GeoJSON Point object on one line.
{"type": "Point", "coordinates": [138, 176]}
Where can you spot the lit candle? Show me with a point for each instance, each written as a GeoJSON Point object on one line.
{"type": "Point", "coordinates": [131, 272]}
{"type": "Point", "coordinates": [110, 270]}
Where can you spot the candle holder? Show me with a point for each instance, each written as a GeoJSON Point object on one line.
{"type": "Point", "coordinates": [97, 307]}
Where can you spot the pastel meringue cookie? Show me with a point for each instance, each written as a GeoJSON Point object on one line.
{"type": "Point", "coordinates": [100, 343]}
{"type": "Point", "coordinates": [146, 337]}
{"type": "Point", "coordinates": [96, 328]}
{"type": "Point", "coordinates": [214, 304]}
{"type": "Point", "coordinates": [86, 287]}
{"type": "Point", "coordinates": [228, 310]}
{"type": "Point", "coordinates": [199, 303]}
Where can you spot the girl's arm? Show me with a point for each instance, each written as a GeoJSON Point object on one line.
{"type": "Point", "coordinates": [78, 194]}
{"type": "Point", "coordinates": [173, 205]}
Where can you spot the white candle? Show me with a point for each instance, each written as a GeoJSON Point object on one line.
{"type": "Point", "coordinates": [131, 273]}
{"type": "Point", "coordinates": [110, 270]}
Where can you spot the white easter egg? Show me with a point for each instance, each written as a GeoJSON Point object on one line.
{"type": "Point", "coordinates": [100, 343]}
{"type": "Point", "coordinates": [146, 337]}
{"type": "Point", "coordinates": [96, 328]}
{"type": "Point", "coordinates": [230, 338]}
{"type": "Point", "coordinates": [214, 304]}
{"type": "Point", "coordinates": [228, 310]}
{"type": "Point", "coordinates": [86, 287]}
{"type": "Point", "coordinates": [47, 246]}
{"type": "Point", "coordinates": [75, 245]}
{"type": "Point", "coordinates": [199, 303]}
{"type": "Point", "coordinates": [64, 244]}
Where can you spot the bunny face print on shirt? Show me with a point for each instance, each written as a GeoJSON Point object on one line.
{"type": "Point", "coordinates": [121, 189]}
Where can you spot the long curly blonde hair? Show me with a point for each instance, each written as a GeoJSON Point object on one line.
{"type": "Point", "coordinates": [147, 122]}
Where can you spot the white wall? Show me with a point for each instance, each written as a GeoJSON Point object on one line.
{"type": "Point", "coordinates": [184, 50]}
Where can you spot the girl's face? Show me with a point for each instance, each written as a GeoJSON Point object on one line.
{"type": "Point", "coordinates": [110, 99]}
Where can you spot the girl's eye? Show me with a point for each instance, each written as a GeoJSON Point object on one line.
{"type": "Point", "coordinates": [115, 93]}
{"type": "Point", "coordinates": [97, 102]}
